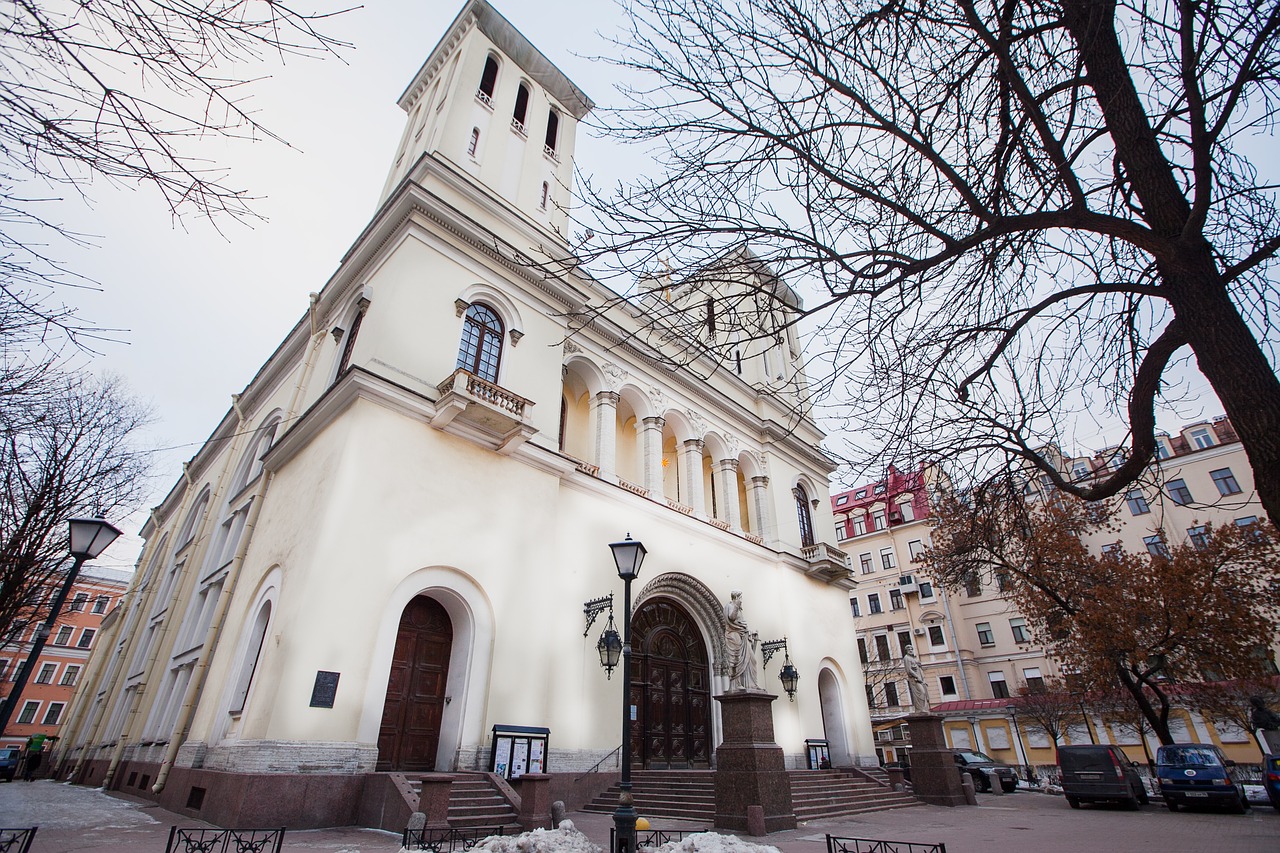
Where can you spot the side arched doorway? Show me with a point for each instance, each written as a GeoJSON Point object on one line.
{"type": "Point", "coordinates": [670, 689]}
{"type": "Point", "coordinates": [409, 736]}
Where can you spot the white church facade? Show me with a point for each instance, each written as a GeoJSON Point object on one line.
{"type": "Point", "coordinates": [380, 557]}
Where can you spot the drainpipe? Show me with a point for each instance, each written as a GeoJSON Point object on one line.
{"type": "Point", "coordinates": [196, 686]}
{"type": "Point", "coordinates": [955, 644]}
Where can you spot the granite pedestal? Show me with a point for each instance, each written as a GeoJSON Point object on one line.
{"type": "Point", "coordinates": [749, 767]}
{"type": "Point", "coordinates": [934, 777]}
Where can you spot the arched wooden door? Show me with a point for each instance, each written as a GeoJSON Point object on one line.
{"type": "Point", "coordinates": [410, 732]}
{"type": "Point", "coordinates": [670, 689]}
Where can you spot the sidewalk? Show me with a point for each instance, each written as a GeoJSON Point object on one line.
{"type": "Point", "coordinates": [73, 818]}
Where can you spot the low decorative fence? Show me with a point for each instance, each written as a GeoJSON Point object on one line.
{"type": "Point", "coordinates": [448, 840]}
{"type": "Point", "coordinates": [868, 845]}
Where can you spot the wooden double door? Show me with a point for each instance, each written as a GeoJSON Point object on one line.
{"type": "Point", "coordinates": [409, 736]}
{"type": "Point", "coordinates": [670, 689]}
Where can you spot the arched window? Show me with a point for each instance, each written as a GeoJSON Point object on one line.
{"type": "Point", "coordinates": [553, 130]}
{"type": "Point", "coordinates": [481, 348]}
{"type": "Point", "coordinates": [249, 663]}
{"type": "Point", "coordinates": [546, 192]}
{"type": "Point", "coordinates": [802, 514]}
{"type": "Point", "coordinates": [474, 143]}
{"type": "Point", "coordinates": [349, 345]}
{"type": "Point", "coordinates": [488, 80]}
{"type": "Point", "coordinates": [521, 111]}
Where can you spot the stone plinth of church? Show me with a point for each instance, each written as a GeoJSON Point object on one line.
{"type": "Point", "coordinates": [749, 766]}
{"type": "Point", "coordinates": [934, 777]}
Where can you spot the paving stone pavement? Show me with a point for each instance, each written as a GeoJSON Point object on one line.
{"type": "Point", "coordinates": [73, 818]}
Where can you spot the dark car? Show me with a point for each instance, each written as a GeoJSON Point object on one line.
{"type": "Point", "coordinates": [1271, 779]}
{"type": "Point", "coordinates": [1199, 774]}
{"type": "Point", "coordinates": [984, 768]}
{"type": "Point", "coordinates": [1099, 774]}
{"type": "Point", "coordinates": [9, 756]}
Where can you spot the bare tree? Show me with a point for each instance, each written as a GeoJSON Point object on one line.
{"type": "Point", "coordinates": [67, 449]}
{"type": "Point", "coordinates": [1008, 217]}
{"type": "Point", "coordinates": [1138, 623]}
{"type": "Point", "coordinates": [1051, 706]}
{"type": "Point", "coordinates": [118, 90]}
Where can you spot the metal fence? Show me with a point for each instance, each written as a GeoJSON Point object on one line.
{"type": "Point", "coordinates": [448, 840]}
{"type": "Point", "coordinates": [221, 840]}
{"type": "Point", "coordinates": [17, 840]}
{"type": "Point", "coordinates": [650, 838]}
{"type": "Point", "coordinates": [867, 845]}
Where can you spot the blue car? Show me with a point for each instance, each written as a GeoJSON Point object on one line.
{"type": "Point", "coordinates": [1193, 774]}
{"type": "Point", "coordinates": [9, 757]}
{"type": "Point", "coordinates": [1271, 779]}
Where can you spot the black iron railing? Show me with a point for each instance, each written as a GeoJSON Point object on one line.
{"type": "Point", "coordinates": [868, 845]}
{"type": "Point", "coordinates": [650, 838]}
{"type": "Point", "coordinates": [17, 840]}
{"type": "Point", "coordinates": [224, 840]}
{"type": "Point", "coordinates": [448, 840]}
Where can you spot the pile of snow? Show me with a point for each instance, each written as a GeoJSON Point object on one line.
{"type": "Point", "coordinates": [713, 842]}
{"type": "Point", "coordinates": [567, 839]}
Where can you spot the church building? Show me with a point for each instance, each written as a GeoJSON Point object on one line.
{"type": "Point", "coordinates": [381, 559]}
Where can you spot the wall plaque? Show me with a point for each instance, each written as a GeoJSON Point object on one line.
{"type": "Point", "coordinates": [322, 695]}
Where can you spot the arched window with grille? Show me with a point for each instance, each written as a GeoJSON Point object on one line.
{"type": "Point", "coordinates": [488, 80]}
{"type": "Point", "coordinates": [802, 514]}
{"type": "Point", "coordinates": [481, 350]}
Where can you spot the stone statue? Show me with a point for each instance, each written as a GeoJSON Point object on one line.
{"type": "Point", "coordinates": [741, 643]}
{"type": "Point", "coordinates": [915, 682]}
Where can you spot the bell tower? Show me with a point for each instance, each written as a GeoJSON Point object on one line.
{"type": "Point", "coordinates": [492, 107]}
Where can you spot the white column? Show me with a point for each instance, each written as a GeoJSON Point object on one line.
{"type": "Point", "coordinates": [758, 504]}
{"type": "Point", "coordinates": [651, 448]}
{"type": "Point", "coordinates": [605, 406]}
{"type": "Point", "coordinates": [691, 491]}
{"type": "Point", "coordinates": [726, 473]}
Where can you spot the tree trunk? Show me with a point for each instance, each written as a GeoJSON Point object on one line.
{"type": "Point", "coordinates": [1158, 720]}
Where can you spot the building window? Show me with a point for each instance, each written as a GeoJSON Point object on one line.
{"type": "Point", "coordinates": [1019, 628]}
{"type": "Point", "coordinates": [926, 589]}
{"type": "Point", "coordinates": [553, 131]}
{"type": "Point", "coordinates": [878, 489]}
{"type": "Point", "coordinates": [1246, 521]}
{"type": "Point", "coordinates": [999, 689]}
{"type": "Point", "coordinates": [101, 603]}
{"type": "Point", "coordinates": [546, 194]}
{"type": "Point", "coordinates": [1202, 438]}
{"type": "Point", "coordinates": [4, 669]}
{"type": "Point", "coordinates": [349, 344]}
{"type": "Point", "coordinates": [1155, 546]}
{"type": "Point", "coordinates": [53, 713]}
{"type": "Point", "coordinates": [895, 599]}
{"type": "Point", "coordinates": [521, 109]}
{"type": "Point", "coordinates": [803, 516]}
{"type": "Point", "coordinates": [908, 511]}
{"type": "Point", "coordinates": [64, 636]}
{"type": "Point", "coordinates": [1199, 537]}
{"type": "Point", "coordinates": [1035, 681]}
{"type": "Point", "coordinates": [886, 558]}
{"type": "Point", "coordinates": [877, 520]}
{"type": "Point", "coordinates": [936, 639]}
{"type": "Point", "coordinates": [1111, 549]}
{"type": "Point", "coordinates": [972, 585]}
{"type": "Point", "coordinates": [488, 80]}
{"type": "Point", "coordinates": [46, 673]}
{"type": "Point", "coordinates": [842, 500]}
{"type": "Point", "coordinates": [891, 693]}
{"type": "Point", "coordinates": [1225, 481]}
{"type": "Point", "coordinates": [1162, 449]}
{"type": "Point", "coordinates": [882, 648]}
{"type": "Point", "coordinates": [86, 639]}
{"type": "Point", "coordinates": [1137, 503]}
{"type": "Point", "coordinates": [253, 651]}
{"type": "Point", "coordinates": [28, 713]}
{"type": "Point", "coordinates": [70, 675]}
{"type": "Point", "coordinates": [947, 684]}
{"type": "Point", "coordinates": [1080, 470]}
{"type": "Point", "coordinates": [862, 649]}
{"type": "Point", "coordinates": [916, 549]}
{"type": "Point", "coordinates": [473, 144]}
{"type": "Point", "coordinates": [1178, 492]}
{"type": "Point", "coordinates": [871, 696]}
{"type": "Point", "coordinates": [481, 349]}
{"type": "Point", "coordinates": [873, 603]}
{"type": "Point", "coordinates": [1002, 580]}
{"type": "Point", "coordinates": [904, 642]}
{"type": "Point", "coordinates": [853, 604]}
{"type": "Point", "coordinates": [78, 603]}
{"type": "Point", "coordinates": [860, 525]}
{"type": "Point", "coordinates": [864, 560]}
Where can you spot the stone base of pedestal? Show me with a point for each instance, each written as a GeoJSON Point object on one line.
{"type": "Point", "coordinates": [934, 777]}
{"type": "Point", "coordinates": [749, 767]}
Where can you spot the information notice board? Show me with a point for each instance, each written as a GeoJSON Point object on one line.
{"type": "Point", "coordinates": [518, 750]}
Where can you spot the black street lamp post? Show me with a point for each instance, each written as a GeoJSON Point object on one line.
{"type": "Point", "coordinates": [89, 538]}
{"type": "Point", "coordinates": [627, 556]}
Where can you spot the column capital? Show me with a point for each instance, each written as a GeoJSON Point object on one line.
{"type": "Point", "coordinates": [760, 482]}
{"type": "Point", "coordinates": [693, 444]}
{"type": "Point", "coordinates": [729, 464]}
{"type": "Point", "coordinates": [654, 422]}
{"type": "Point", "coordinates": [611, 397]}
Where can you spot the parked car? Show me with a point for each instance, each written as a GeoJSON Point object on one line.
{"type": "Point", "coordinates": [1099, 773]}
{"type": "Point", "coordinates": [1271, 779]}
{"type": "Point", "coordinates": [984, 768]}
{"type": "Point", "coordinates": [1199, 774]}
{"type": "Point", "coordinates": [9, 757]}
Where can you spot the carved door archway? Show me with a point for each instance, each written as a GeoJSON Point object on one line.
{"type": "Point", "coordinates": [670, 689]}
{"type": "Point", "coordinates": [409, 736]}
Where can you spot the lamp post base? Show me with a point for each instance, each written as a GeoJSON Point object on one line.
{"type": "Point", "coordinates": [624, 824]}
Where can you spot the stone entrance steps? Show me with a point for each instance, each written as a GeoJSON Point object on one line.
{"type": "Point", "coordinates": [474, 801]}
{"type": "Point", "coordinates": [690, 794]}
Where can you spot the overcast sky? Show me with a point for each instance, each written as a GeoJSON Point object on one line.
{"type": "Point", "coordinates": [201, 310]}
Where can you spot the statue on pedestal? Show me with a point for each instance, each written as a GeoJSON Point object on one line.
{"type": "Point", "coordinates": [915, 682]}
{"type": "Point", "coordinates": [741, 643]}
